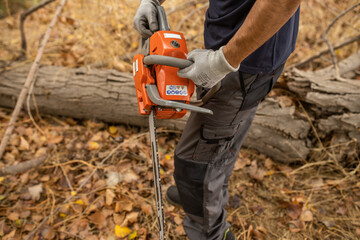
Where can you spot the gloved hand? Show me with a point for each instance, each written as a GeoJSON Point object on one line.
{"type": "Point", "coordinates": [208, 69]}
{"type": "Point", "coordinates": [145, 20]}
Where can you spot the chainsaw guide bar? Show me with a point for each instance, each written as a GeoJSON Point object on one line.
{"type": "Point", "coordinates": [161, 93]}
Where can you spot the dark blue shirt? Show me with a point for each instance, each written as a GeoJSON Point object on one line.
{"type": "Point", "coordinates": [224, 18]}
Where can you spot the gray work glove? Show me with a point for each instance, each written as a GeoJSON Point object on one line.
{"type": "Point", "coordinates": [145, 20]}
{"type": "Point", "coordinates": [209, 67]}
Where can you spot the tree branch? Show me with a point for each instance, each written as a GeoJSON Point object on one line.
{"type": "Point", "coordinates": [29, 81]}
{"type": "Point", "coordinates": [22, 167]}
{"type": "Point", "coordinates": [319, 54]}
{"type": "Point", "coordinates": [23, 16]}
{"type": "Point", "coordinates": [330, 46]}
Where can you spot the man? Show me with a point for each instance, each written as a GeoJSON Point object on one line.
{"type": "Point", "coordinates": [247, 43]}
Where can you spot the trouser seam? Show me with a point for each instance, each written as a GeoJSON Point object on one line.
{"type": "Point", "coordinates": [206, 215]}
{"type": "Point", "coordinates": [243, 89]}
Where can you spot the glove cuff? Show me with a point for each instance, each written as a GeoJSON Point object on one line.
{"type": "Point", "coordinates": [226, 64]}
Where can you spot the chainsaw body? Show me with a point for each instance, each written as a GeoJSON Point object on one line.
{"type": "Point", "coordinates": [169, 85]}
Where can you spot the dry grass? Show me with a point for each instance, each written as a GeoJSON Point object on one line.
{"type": "Point", "coordinates": [100, 32]}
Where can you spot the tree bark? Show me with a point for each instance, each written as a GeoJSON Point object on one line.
{"type": "Point", "coordinates": [334, 103]}
{"type": "Point", "coordinates": [106, 95]}
{"type": "Point", "coordinates": [281, 128]}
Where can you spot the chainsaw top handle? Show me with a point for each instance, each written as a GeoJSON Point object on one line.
{"type": "Point", "coordinates": [162, 20]}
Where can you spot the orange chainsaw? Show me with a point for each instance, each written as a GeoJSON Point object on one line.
{"type": "Point", "coordinates": [161, 93]}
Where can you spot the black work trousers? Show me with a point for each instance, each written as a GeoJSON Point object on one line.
{"type": "Point", "coordinates": [208, 149]}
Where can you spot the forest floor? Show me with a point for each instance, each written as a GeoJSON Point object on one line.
{"type": "Point", "coordinates": [96, 182]}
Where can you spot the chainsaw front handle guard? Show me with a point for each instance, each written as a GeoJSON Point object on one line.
{"type": "Point", "coordinates": [154, 96]}
{"type": "Point", "coordinates": [207, 96]}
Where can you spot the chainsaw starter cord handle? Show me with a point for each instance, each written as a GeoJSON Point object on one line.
{"type": "Point", "coordinates": [167, 61]}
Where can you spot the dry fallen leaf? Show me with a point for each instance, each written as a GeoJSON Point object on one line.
{"type": "Point", "coordinates": [109, 197]}
{"type": "Point", "coordinates": [316, 183]}
{"type": "Point", "coordinates": [328, 223]}
{"type": "Point", "coordinates": [124, 206]}
{"type": "Point", "coordinates": [130, 176]}
{"type": "Point", "coordinates": [268, 163]}
{"type": "Point", "coordinates": [132, 217]}
{"type": "Point", "coordinates": [35, 191]}
{"type": "Point", "coordinates": [342, 210]}
{"type": "Point", "coordinates": [13, 216]}
{"type": "Point", "coordinates": [93, 146]}
{"type": "Point", "coordinates": [178, 220]}
{"type": "Point", "coordinates": [122, 231]}
{"type": "Point", "coordinates": [306, 216]}
{"type": "Point", "coordinates": [113, 178]}
{"type": "Point", "coordinates": [132, 235]}
{"type": "Point", "coordinates": [24, 145]}
{"type": "Point", "coordinates": [255, 172]}
{"type": "Point", "coordinates": [41, 152]}
{"type": "Point", "coordinates": [97, 218]}
{"type": "Point", "coordinates": [113, 130]}
{"type": "Point", "coordinates": [258, 234]}
{"type": "Point", "coordinates": [180, 230]}
{"type": "Point", "coordinates": [294, 210]}
{"type": "Point", "coordinates": [147, 209]}
{"type": "Point", "coordinates": [285, 101]}
{"type": "Point", "coordinates": [118, 219]}
{"type": "Point", "coordinates": [79, 202]}
{"type": "Point", "coordinates": [296, 226]}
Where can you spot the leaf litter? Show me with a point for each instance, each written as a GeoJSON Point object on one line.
{"type": "Point", "coordinates": [118, 201]}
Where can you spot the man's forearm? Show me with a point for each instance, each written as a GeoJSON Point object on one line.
{"type": "Point", "coordinates": [264, 19]}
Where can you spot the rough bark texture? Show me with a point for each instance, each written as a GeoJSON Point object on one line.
{"type": "Point", "coordinates": [106, 95]}
{"type": "Point", "coordinates": [280, 130]}
{"type": "Point", "coordinates": [334, 103]}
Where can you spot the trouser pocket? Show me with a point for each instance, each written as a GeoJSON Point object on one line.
{"type": "Point", "coordinates": [260, 88]}
{"type": "Point", "coordinates": [215, 143]}
{"type": "Point", "coordinates": [189, 177]}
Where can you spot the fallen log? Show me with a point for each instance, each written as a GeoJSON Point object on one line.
{"type": "Point", "coordinates": [334, 103]}
{"type": "Point", "coordinates": [280, 130]}
{"type": "Point", "coordinates": [106, 95]}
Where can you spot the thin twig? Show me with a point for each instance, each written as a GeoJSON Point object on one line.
{"type": "Point", "coordinates": [334, 12]}
{"type": "Point", "coordinates": [22, 167]}
{"type": "Point", "coordinates": [29, 80]}
{"type": "Point", "coordinates": [190, 14]}
{"type": "Point", "coordinates": [23, 16]}
{"type": "Point", "coordinates": [309, 165]}
{"type": "Point", "coordinates": [319, 54]}
{"type": "Point", "coordinates": [183, 6]}
{"type": "Point", "coordinates": [330, 46]}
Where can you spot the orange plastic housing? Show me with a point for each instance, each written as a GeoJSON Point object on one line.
{"type": "Point", "coordinates": [169, 84]}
